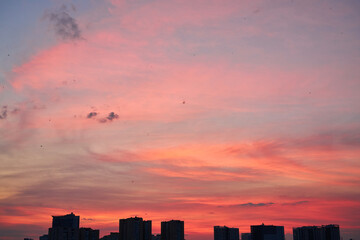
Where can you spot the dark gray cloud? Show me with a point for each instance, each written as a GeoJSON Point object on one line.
{"type": "Point", "coordinates": [91, 114]}
{"type": "Point", "coordinates": [65, 26]}
{"type": "Point", "coordinates": [112, 116]}
{"type": "Point", "coordinates": [3, 113]}
{"type": "Point", "coordinates": [295, 203]}
{"type": "Point", "coordinates": [250, 204]}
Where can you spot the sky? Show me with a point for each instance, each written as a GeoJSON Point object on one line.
{"type": "Point", "coordinates": [213, 112]}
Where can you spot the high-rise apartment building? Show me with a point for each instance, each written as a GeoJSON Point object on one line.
{"type": "Point", "coordinates": [325, 232]}
{"type": "Point", "coordinates": [267, 232]}
{"type": "Point", "coordinates": [156, 237]}
{"type": "Point", "coordinates": [111, 236]}
{"type": "Point", "coordinates": [308, 233]}
{"type": "Point", "coordinates": [226, 233]}
{"type": "Point", "coordinates": [172, 230]}
{"type": "Point", "coordinates": [134, 229]}
{"type": "Point", "coordinates": [89, 234]}
{"type": "Point", "coordinates": [332, 232]}
{"type": "Point", "coordinates": [44, 237]}
{"type": "Point", "coordinates": [246, 236]}
{"type": "Point", "coordinates": [65, 227]}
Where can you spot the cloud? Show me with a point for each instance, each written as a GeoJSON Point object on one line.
{"type": "Point", "coordinates": [295, 203]}
{"type": "Point", "coordinates": [112, 116]}
{"type": "Point", "coordinates": [91, 114]}
{"type": "Point", "coordinates": [65, 26]}
{"type": "Point", "coordinates": [250, 204]}
{"type": "Point", "coordinates": [3, 113]}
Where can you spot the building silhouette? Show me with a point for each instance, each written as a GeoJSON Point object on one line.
{"type": "Point", "coordinates": [267, 232]}
{"type": "Point", "coordinates": [308, 233]}
{"type": "Point", "coordinates": [134, 229]}
{"type": "Point", "coordinates": [226, 233]}
{"type": "Point", "coordinates": [88, 234]}
{"type": "Point", "coordinates": [111, 236]}
{"type": "Point", "coordinates": [332, 232]}
{"type": "Point", "coordinates": [325, 232]}
{"type": "Point", "coordinates": [246, 236]}
{"type": "Point", "coordinates": [44, 237]}
{"type": "Point", "coordinates": [65, 227]}
{"type": "Point", "coordinates": [156, 237]}
{"type": "Point", "coordinates": [172, 230]}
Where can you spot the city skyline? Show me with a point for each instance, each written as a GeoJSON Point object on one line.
{"type": "Point", "coordinates": [136, 228]}
{"type": "Point", "coordinates": [216, 112]}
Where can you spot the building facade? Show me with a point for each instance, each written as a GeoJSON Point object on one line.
{"type": "Point", "coordinates": [134, 229]}
{"type": "Point", "coordinates": [111, 236]}
{"type": "Point", "coordinates": [64, 227]}
{"type": "Point", "coordinates": [325, 232]}
{"type": "Point", "coordinates": [172, 230]}
{"type": "Point", "coordinates": [246, 236]}
{"type": "Point", "coordinates": [267, 232]}
{"type": "Point", "coordinates": [226, 233]}
{"type": "Point", "coordinates": [89, 234]}
{"type": "Point", "coordinates": [156, 237]}
{"type": "Point", "coordinates": [44, 237]}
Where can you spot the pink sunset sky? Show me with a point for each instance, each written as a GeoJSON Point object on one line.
{"type": "Point", "coordinates": [213, 112]}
